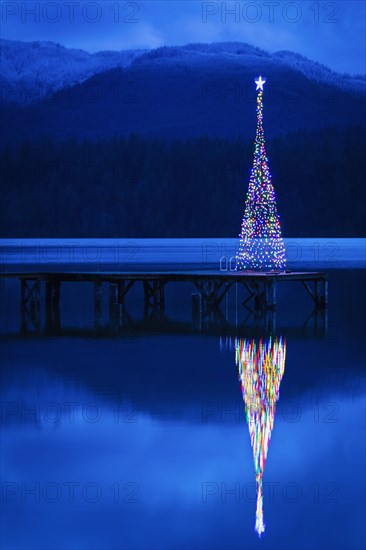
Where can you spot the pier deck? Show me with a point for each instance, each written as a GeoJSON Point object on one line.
{"type": "Point", "coordinates": [211, 287]}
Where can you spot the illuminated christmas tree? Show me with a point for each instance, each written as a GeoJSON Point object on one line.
{"type": "Point", "coordinates": [261, 367]}
{"type": "Point", "coordinates": [261, 246]}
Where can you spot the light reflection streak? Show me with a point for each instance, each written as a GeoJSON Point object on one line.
{"type": "Point", "coordinates": [261, 367]}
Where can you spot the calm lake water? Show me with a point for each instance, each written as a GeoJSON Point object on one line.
{"type": "Point", "coordinates": [136, 437]}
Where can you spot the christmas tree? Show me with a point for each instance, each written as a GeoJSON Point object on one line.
{"type": "Point", "coordinates": [261, 367]}
{"type": "Point", "coordinates": [261, 246]}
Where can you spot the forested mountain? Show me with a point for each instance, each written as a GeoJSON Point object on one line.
{"type": "Point", "coordinates": [192, 91]}
{"type": "Point", "coordinates": [161, 143]}
{"type": "Point", "coordinates": [139, 187]}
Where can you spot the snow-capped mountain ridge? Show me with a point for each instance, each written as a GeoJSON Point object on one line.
{"type": "Point", "coordinates": [244, 54]}
{"type": "Point", "coordinates": [31, 71]}
{"type": "Point", "coordinates": [321, 73]}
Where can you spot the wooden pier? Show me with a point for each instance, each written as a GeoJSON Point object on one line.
{"type": "Point", "coordinates": [210, 289]}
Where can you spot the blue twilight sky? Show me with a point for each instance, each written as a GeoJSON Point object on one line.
{"type": "Point", "coordinates": [330, 32]}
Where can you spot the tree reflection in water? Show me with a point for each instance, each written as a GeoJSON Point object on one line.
{"type": "Point", "coordinates": [261, 367]}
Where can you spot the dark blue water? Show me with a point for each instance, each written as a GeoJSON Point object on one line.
{"type": "Point", "coordinates": [136, 438]}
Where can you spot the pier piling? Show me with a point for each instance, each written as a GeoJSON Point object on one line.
{"type": "Point", "coordinates": [212, 288]}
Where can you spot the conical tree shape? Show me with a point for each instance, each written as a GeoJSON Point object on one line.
{"type": "Point", "coordinates": [261, 246]}
{"type": "Point", "coordinates": [261, 367]}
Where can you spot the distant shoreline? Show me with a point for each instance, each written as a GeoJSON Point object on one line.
{"type": "Point", "coordinates": [124, 254]}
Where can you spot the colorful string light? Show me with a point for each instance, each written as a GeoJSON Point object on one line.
{"type": "Point", "coordinates": [261, 367]}
{"type": "Point", "coordinates": [261, 246]}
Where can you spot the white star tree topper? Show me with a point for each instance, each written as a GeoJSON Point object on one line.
{"type": "Point", "coordinates": [260, 82]}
